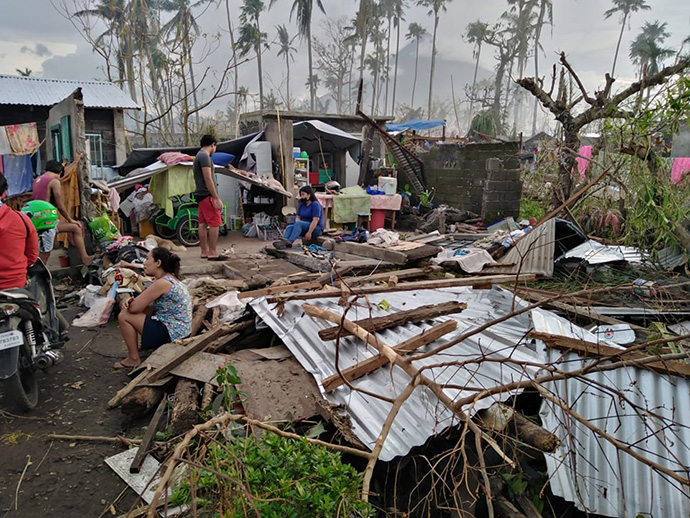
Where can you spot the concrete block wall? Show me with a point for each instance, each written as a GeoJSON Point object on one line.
{"type": "Point", "coordinates": [482, 178]}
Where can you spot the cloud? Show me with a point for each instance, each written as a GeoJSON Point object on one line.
{"type": "Point", "coordinates": [39, 50]}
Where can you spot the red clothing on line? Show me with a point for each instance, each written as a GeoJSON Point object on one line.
{"type": "Point", "coordinates": [19, 247]}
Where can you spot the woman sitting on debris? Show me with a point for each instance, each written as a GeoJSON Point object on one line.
{"type": "Point", "coordinates": [161, 313]}
{"type": "Point", "coordinates": [308, 223]}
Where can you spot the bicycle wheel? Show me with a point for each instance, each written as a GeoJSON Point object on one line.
{"type": "Point", "coordinates": [188, 231]}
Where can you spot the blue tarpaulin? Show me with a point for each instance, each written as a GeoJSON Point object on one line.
{"type": "Point", "coordinates": [416, 125]}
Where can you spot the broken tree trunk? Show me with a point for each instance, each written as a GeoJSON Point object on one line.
{"type": "Point", "coordinates": [400, 318]}
{"type": "Point", "coordinates": [142, 400]}
{"type": "Point", "coordinates": [198, 318]}
{"type": "Point", "coordinates": [185, 408]}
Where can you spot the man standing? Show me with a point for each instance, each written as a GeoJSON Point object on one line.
{"type": "Point", "coordinates": [19, 248]}
{"type": "Point", "coordinates": [47, 188]}
{"type": "Point", "coordinates": [209, 202]}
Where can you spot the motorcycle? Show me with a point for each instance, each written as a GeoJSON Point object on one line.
{"type": "Point", "coordinates": [31, 332]}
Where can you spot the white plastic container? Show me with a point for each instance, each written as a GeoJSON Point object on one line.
{"type": "Point", "coordinates": [388, 184]}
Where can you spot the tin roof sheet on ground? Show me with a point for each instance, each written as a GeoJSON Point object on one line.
{"type": "Point", "coordinates": [643, 409]}
{"type": "Point", "coordinates": [533, 253]}
{"type": "Point", "coordinates": [33, 91]}
{"type": "Point", "coordinates": [488, 359]}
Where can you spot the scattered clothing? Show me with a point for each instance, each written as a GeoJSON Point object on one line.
{"type": "Point", "coordinates": [174, 157]}
{"type": "Point", "coordinates": [470, 260]}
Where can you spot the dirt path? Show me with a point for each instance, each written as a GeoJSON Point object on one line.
{"type": "Point", "coordinates": [68, 478]}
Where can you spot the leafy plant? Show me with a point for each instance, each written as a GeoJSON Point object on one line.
{"type": "Point", "coordinates": [227, 379]}
{"type": "Point", "coordinates": [426, 197]}
{"type": "Point", "coordinates": [531, 209]}
{"type": "Point", "coordinates": [273, 477]}
{"type": "Point", "coordinates": [483, 123]}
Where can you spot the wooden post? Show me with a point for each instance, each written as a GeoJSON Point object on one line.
{"type": "Point", "coordinates": [88, 209]}
{"type": "Point", "coordinates": [146, 442]}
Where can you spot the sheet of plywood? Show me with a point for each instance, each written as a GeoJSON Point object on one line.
{"type": "Point", "coordinates": [277, 390]}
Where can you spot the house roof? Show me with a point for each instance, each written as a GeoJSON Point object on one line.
{"type": "Point", "coordinates": [32, 91]}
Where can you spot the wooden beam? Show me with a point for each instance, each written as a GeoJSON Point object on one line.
{"type": "Point", "coordinates": [585, 348]}
{"type": "Point", "coordinates": [400, 274]}
{"type": "Point", "coordinates": [198, 344]}
{"type": "Point", "coordinates": [150, 434]}
{"type": "Point", "coordinates": [371, 364]}
{"type": "Point", "coordinates": [413, 286]}
{"type": "Point", "coordinates": [400, 318]}
{"type": "Point", "coordinates": [313, 285]}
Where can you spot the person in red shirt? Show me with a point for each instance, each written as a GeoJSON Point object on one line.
{"type": "Point", "coordinates": [19, 239]}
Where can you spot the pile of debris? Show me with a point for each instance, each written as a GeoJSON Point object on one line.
{"type": "Point", "coordinates": [403, 361]}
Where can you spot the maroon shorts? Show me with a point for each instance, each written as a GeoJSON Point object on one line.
{"type": "Point", "coordinates": [209, 214]}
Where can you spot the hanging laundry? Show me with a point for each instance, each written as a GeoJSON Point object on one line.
{"type": "Point", "coordinates": [19, 173]}
{"type": "Point", "coordinates": [23, 138]}
{"type": "Point", "coordinates": [681, 165]}
{"type": "Point", "coordinates": [5, 148]}
{"type": "Point", "coordinates": [585, 153]}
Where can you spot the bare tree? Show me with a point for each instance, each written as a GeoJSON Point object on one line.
{"type": "Point", "coordinates": [602, 104]}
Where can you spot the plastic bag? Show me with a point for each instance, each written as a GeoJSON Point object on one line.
{"type": "Point", "coordinates": [231, 307]}
{"type": "Point", "coordinates": [103, 229]}
{"type": "Point", "coordinates": [98, 313]}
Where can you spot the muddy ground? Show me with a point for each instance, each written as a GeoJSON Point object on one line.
{"type": "Point", "coordinates": [70, 478]}
{"type": "Point", "coordinates": [67, 478]}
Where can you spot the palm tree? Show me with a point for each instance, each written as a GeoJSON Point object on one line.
{"type": "Point", "coordinates": [624, 7]}
{"type": "Point", "coordinates": [417, 32]}
{"type": "Point", "coordinates": [476, 33]}
{"type": "Point", "coordinates": [24, 73]}
{"type": "Point", "coordinates": [112, 12]}
{"type": "Point", "coordinates": [435, 8]}
{"type": "Point", "coordinates": [397, 20]}
{"type": "Point", "coordinates": [251, 37]}
{"type": "Point", "coordinates": [235, 75]}
{"type": "Point", "coordinates": [304, 10]}
{"type": "Point", "coordinates": [646, 50]}
{"type": "Point", "coordinates": [184, 28]}
{"type": "Point", "coordinates": [545, 16]}
{"type": "Point", "coordinates": [286, 49]}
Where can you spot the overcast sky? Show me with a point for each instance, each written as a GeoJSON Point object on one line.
{"type": "Point", "coordinates": [34, 35]}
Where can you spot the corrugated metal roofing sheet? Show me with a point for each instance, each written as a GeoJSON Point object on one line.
{"type": "Point", "coordinates": [533, 253]}
{"type": "Point", "coordinates": [643, 409]}
{"type": "Point", "coordinates": [422, 415]}
{"type": "Point", "coordinates": [32, 91]}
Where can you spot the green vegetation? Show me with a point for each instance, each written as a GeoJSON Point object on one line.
{"type": "Point", "coordinates": [272, 477]}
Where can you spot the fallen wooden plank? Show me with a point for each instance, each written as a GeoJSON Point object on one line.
{"type": "Point", "coordinates": [399, 318]}
{"type": "Point", "coordinates": [408, 273]}
{"type": "Point", "coordinates": [371, 364]}
{"type": "Point", "coordinates": [199, 344]}
{"type": "Point", "coordinates": [585, 348]}
{"type": "Point", "coordinates": [411, 286]}
{"type": "Point", "coordinates": [313, 285]}
{"type": "Point", "coordinates": [397, 257]}
{"type": "Point", "coordinates": [150, 434]}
